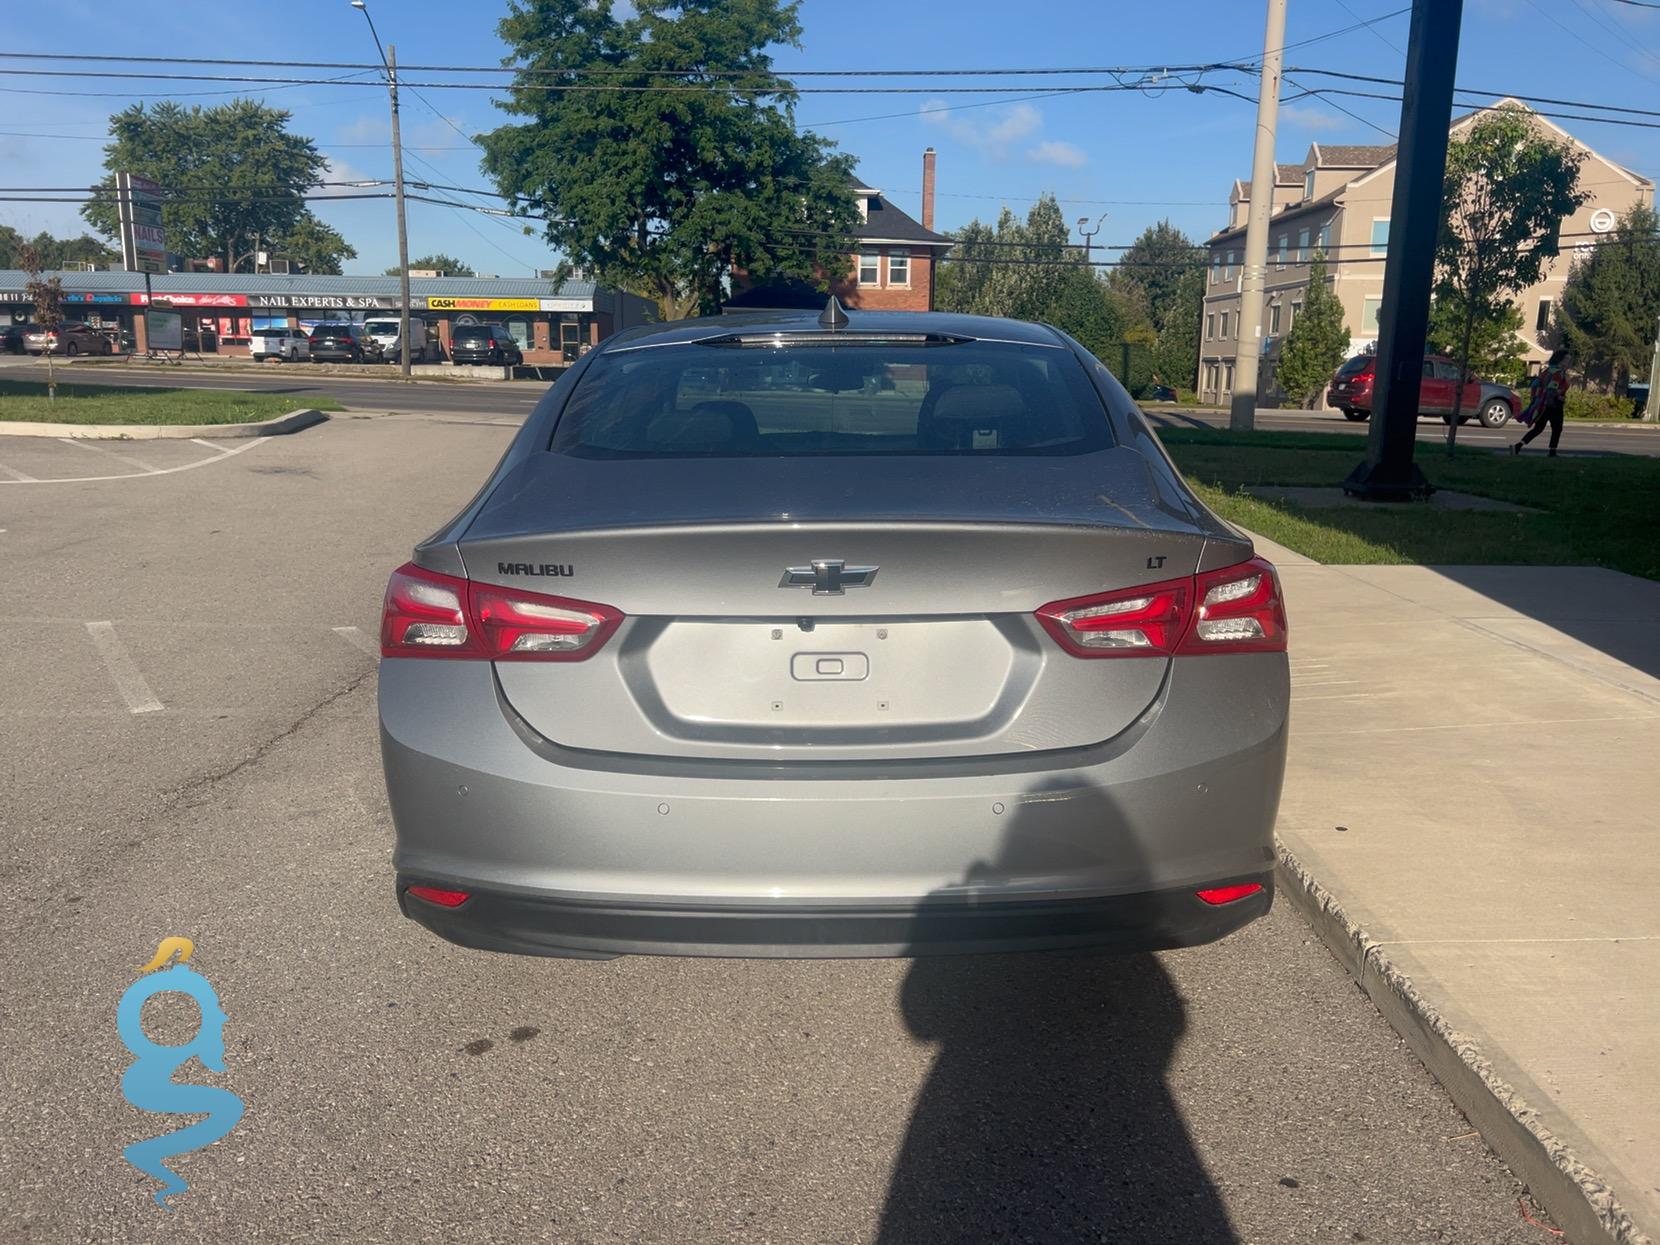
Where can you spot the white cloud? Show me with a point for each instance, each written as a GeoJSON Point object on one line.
{"type": "Point", "coordinates": [993, 134]}
{"type": "Point", "coordinates": [1310, 118]}
{"type": "Point", "coordinates": [1053, 151]}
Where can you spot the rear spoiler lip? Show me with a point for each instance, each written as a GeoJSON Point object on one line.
{"type": "Point", "coordinates": [782, 338]}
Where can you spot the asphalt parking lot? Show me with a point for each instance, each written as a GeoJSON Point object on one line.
{"type": "Point", "coordinates": [189, 739]}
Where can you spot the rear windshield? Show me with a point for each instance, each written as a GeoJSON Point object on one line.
{"type": "Point", "coordinates": [381, 328]}
{"type": "Point", "coordinates": [474, 332]}
{"type": "Point", "coordinates": [1356, 365]}
{"type": "Point", "coordinates": [972, 398]}
{"type": "Point", "coordinates": [273, 333]}
{"type": "Point", "coordinates": [332, 328]}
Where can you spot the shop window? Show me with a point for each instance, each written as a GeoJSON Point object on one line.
{"type": "Point", "coordinates": [521, 334]}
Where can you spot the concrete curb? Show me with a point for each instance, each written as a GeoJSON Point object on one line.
{"type": "Point", "coordinates": [291, 422]}
{"type": "Point", "coordinates": [1577, 1198]}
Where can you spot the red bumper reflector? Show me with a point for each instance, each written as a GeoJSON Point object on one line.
{"type": "Point", "coordinates": [443, 898]}
{"type": "Point", "coordinates": [1225, 894]}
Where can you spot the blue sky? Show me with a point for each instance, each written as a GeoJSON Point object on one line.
{"type": "Point", "coordinates": [1135, 156]}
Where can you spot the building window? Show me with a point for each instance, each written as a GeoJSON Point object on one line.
{"type": "Point", "coordinates": [1224, 324]}
{"type": "Point", "coordinates": [1369, 316]}
{"type": "Point", "coordinates": [1210, 326]}
{"type": "Point", "coordinates": [870, 271]}
{"type": "Point", "coordinates": [1542, 321]}
{"type": "Point", "coordinates": [1302, 246]}
{"type": "Point", "coordinates": [1308, 184]}
{"type": "Point", "coordinates": [1279, 259]}
{"type": "Point", "coordinates": [1227, 273]}
{"type": "Point", "coordinates": [1229, 385]}
{"type": "Point", "coordinates": [1380, 235]}
{"type": "Point", "coordinates": [1296, 310]}
{"type": "Point", "coordinates": [1274, 320]}
{"type": "Point", "coordinates": [899, 268]}
{"type": "Point", "coordinates": [1325, 239]}
{"type": "Point", "coordinates": [1215, 267]}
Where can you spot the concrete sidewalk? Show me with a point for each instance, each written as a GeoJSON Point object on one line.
{"type": "Point", "coordinates": [1470, 820]}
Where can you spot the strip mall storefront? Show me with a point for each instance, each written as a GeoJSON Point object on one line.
{"type": "Point", "coordinates": [552, 329]}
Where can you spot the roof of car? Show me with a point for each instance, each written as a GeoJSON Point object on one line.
{"type": "Point", "coordinates": [982, 327]}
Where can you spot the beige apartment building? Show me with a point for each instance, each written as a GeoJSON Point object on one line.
{"type": "Point", "coordinates": [1338, 201]}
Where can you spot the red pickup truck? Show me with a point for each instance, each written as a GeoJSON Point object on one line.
{"type": "Point", "coordinates": [1492, 403]}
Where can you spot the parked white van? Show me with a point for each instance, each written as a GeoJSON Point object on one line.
{"type": "Point", "coordinates": [385, 332]}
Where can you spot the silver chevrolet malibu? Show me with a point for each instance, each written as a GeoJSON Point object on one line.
{"type": "Point", "coordinates": [839, 634]}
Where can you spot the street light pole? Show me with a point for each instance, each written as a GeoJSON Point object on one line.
{"type": "Point", "coordinates": [1088, 235]}
{"type": "Point", "coordinates": [1253, 277]}
{"type": "Point", "coordinates": [389, 58]}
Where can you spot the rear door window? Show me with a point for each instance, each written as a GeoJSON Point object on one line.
{"type": "Point", "coordinates": [877, 397]}
{"type": "Point", "coordinates": [1354, 366]}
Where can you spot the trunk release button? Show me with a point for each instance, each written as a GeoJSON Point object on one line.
{"type": "Point", "coordinates": [806, 667]}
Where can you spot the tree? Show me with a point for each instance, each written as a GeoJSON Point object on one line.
{"type": "Point", "coordinates": [1317, 342]}
{"type": "Point", "coordinates": [667, 191]}
{"type": "Point", "coordinates": [1083, 306]}
{"type": "Point", "coordinates": [1157, 270]}
{"type": "Point", "coordinates": [1612, 299]}
{"type": "Point", "coordinates": [46, 293]}
{"type": "Point", "coordinates": [52, 252]}
{"type": "Point", "coordinates": [440, 262]}
{"type": "Point", "coordinates": [316, 247]}
{"type": "Point", "coordinates": [1017, 268]}
{"type": "Point", "coordinates": [1506, 192]}
{"type": "Point", "coordinates": [1176, 354]}
{"type": "Point", "coordinates": [1496, 349]}
{"type": "Point", "coordinates": [234, 177]}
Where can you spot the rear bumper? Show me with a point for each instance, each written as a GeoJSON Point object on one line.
{"type": "Point", "coordinates": [586, 929]}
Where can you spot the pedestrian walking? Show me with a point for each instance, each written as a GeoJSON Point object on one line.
{"type": "Point", "coordinates": [1547, 402]}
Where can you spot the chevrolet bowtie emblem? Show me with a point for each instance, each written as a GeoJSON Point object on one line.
{"type": "Point", "coordinates": [828, 577]}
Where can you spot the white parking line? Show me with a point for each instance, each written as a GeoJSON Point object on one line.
{"type": "Point", "coordinates": [357, 639]}
{"type": "Point", "coordinates": [128, 681]}
{"type": "Point", "coordinates": [16, 475]}
{"type": "Point", "coordinates": [148, 468]}
{"type": "Point", "coordinates": [253, 444]}
{"type": "Point", "coordinates": [221, 449]}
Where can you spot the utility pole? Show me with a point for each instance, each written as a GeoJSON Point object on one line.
{"type": "Point", "coordinates": [403, 228]}
{"type": "Point", "coordinates": [1253, 277]}
{"type": "Point", "coordinates": [1389, 474]}
{"type": "Point", "coordinates": [389, 58]}
{"type": "Point", "coordinates": [1651, 409]}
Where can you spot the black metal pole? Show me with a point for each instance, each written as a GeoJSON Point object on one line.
{"type": "Point", "coordinates": [1409, 271]}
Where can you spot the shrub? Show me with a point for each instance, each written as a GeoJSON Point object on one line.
{"type": "Point", "coordinates": [1588, 404]}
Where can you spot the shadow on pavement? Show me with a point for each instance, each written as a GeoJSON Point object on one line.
{"type": "Point", "coordinates": [1046, 1117]}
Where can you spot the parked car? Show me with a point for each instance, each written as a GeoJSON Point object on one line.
{"type": "Point", "coordinates": [386, 332]}
{"type": "Point", "coordinates": [1490, 402]}
{"type": "Point", "coordinates": [793, 673]}
{"type": "Point", "coordinates": [343, 343]}
{"type": "Point", "coordinates": [288, 345]}
{"type": "Point", "coordinates": [484, 343]}
{"type": "Point", "coordinates": [12, 338]}
{"type": "Point", "coordinates": [70, 337]}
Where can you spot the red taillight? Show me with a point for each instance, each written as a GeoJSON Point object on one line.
{"type": "Point", "coordinates": [1236, 609]}
{"type": "Point", "coordinates": [439, 896]}
{"type": "Point", "coordinates": [427, 614]}
{"type": "Point", "coordinates": [1140, 622]}
{"type": "Point", "coordinates": [1218, 895]}
{"type": "Point", "coordinates": [492, 343]}
{"type": "Point", "coordinates": [1239, 610]}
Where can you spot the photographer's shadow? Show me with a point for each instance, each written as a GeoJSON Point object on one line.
{"type": "Point", "coordinates": [1046, 1117]}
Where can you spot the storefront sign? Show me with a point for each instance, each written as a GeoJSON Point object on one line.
{"type": "Point", "coordinates": [566, 304]}
{"type": "Point", "coordinates": [326, 302]}
{"type": "Point", "coordinates": [143, 241]}
{"type": "Point", "coordinates": [484, 304]}
{"type": "Point", "coordinates": [96, 298]}
{"type": "Point", "coordinates": [199, 300]}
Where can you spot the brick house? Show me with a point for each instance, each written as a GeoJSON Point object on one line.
{"type": "Point", "coordinates": [1338, 200]}
{"type": "Point", "coordinates": [893, 269]}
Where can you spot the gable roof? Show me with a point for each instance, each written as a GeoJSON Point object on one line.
{"type": "Point", "coordinates": [886, 223]}
{"type": "Point", "coordinates": [1352, 155]}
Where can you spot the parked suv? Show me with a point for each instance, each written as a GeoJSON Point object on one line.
{"type": "Point", "coordinates": [484, 343]}
{"type": "Point", "coordinates": [71, 337]}
{"type": "Point", "coordinates": [343, 343]}
{"type": "Point", "coordinates": [281, 344]}
{"type": "Point", "coordinates": [1492, 403]}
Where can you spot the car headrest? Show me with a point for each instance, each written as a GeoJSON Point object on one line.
{"type": "Point", "coordinates": [961, 410]}
{"type": "Point", "coordinates": [707, 427]}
